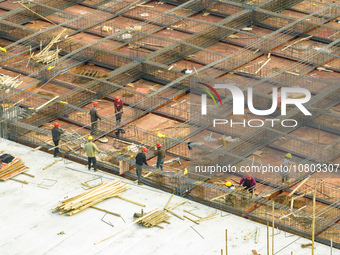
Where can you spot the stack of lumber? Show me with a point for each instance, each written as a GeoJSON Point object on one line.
{"type": "Point", "coordinates": [77, 203]}
{"type": "Point", "coordinates": [15, 168]}
{"type": "Point", "coordinates": [47, 55]}
{"type": "Point", "coordinates": [154, 219]}
{"type": "Point", "coordinates": [9, 82]}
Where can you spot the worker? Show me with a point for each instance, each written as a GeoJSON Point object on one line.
{"type": "Point", "coordinates": [118, 109]}
{"type": "Point", "coordinates": [94, 119]}
{"type": "Point", "coordinates": [248, 182]}
{"type": "Point", "coordinates": [140, 160]}
{"type": "Point", "coordinates": [285, 168]}
{"type": "Point", "coordinates": [160, 153]}
{"type": "Point", "coordinates": [56, 133]}
{"type": "Point", "coordinates": [91, 149]}
{"type": "Point", "coordinates": [230, 198]}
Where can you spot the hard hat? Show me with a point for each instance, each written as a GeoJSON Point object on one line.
{"type": "Point", "coordinates": [145, 149]}
{"type": "Point", "coordinates": [228, 183]}
{"type": "Point", "coordinates": [159, 145]}
{"type": "Point", "coordinates": [90, 138]}
{"type": "Point", "coordinates": [288, 155]}
{"type": "Point", "coordinates": [56, 124]}
{"type": "Point", "coordinates": [95, 103]}
{"type": "Point", "coordinates": [117, 98]}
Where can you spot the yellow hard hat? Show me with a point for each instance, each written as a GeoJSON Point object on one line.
{"type": "Point", "coordinates": [228, 183]}
{"type": "Point", "coordinates": [288, 155]}
{"type": "Point", "coordinates": [90, 138]}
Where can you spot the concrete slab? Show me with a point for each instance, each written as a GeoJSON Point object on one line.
{"type": "Point", "coordinates": [29, 227]}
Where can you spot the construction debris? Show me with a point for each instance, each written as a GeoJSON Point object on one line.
{"type": "Point", "coordinates": [78, 203]}
{"type": "Point", "coordinates": [8, 82]}
{"type": "Point", "coordinates": [153, 219]}
{"type": "Point", "coordinates": [126, 226]}
{"type": "Point", "coordinates": [103, 140]}
{"type": "Point", "coordinates": [47, 55]}
{"type": "Point", "coordinates": [209, 138]}
{"type": "Point", "coordinates": [106, 29]}
{"type": "Point", "coordinates": [16, 167]}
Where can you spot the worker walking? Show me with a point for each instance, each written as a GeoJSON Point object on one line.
{"type": "Point", "coordinates": [118, 110]}
{"type": "Point", "coordinates": [248, 182]}
{"type": "Point", "coordinates": [285, 168]}
{"type": "Point", "coordinates": [56, 133]}
{"type": "Point", "coordinates": [94, 119]}
{"type": "Point", "coordinates": [160, 153]}
{"type": "Point", "coordinates": [91, 149]}
{"type": "Point", "coordinates": [140, 160]}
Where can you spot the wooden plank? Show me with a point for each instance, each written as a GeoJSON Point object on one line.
{"type": "Point", "coordinates": [106, 211]}
{"type": "Point", "coordinates": [169, 201]}
{"type": "Point", "coordinates": [50, 164]}
{"type": "Point", "coordinates": [291, 193]}
{"type": "Point", "coordinates": [193, 214]}
{"type": "Point", "coordinates": [191, 219]}
{"type": "Point", "coordinates": [172, 212]}
{"type": "Point", "coordinates": [131, 201]}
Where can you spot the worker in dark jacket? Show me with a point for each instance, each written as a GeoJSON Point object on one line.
{"type": "Point", "coordinates": [160, 153]}
{"type": "Point", "coordinates": [56, 133]}
{"type": "Point", "coordinates": [249, 182]}
{"type": "Point", "coordinates": [118, 110]}
{"type": "Point", "coordinates": [140, 160]}
{"type": "Point", "coordinates": [94, 119]}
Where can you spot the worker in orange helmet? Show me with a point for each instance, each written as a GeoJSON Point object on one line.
{"type": "Point", "coordinates": [94, 119]}
{"type": "Point", "coordinates": [160, 153]}
{"type": "Point", "coordinates": [56, 133]}
{"type": "Point", "coordinates": [140, 160]}
{"type": "Point", "coordinates": [118, 110]}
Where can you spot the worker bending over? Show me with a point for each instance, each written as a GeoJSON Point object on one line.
{"type": "Point", "coordinates": [94, 119]}
{"type": "Point", "coordinates": [56, 133]}
{"type": "Point", "coordinates": [160, 153]}
{"type": "Point", "coordinates": [140, 160]}
{"type": "Point", "coordinates": [248, 182]}
{"type": "Point", "coordinates": [91, 149]}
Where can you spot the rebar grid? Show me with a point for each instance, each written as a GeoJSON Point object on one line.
{"type": "Point", "coordinates": [180, 185]}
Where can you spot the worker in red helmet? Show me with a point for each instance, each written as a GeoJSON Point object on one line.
{"type": "Point", "coordinates": [160, 153]}
{"type": "Point", "coordinates": [56, 133]}
{"type": "Point", "coordinates": [94, 119]}
{"type": "Point", "coordinates": [118, 110]}
{"type": "Point", "coordinates": [140, 160]}
{"type": "Point", "coordinates": [248, 182]}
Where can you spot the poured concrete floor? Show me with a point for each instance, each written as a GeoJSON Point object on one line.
{"type": "Point", "coordinates": [29, 227]}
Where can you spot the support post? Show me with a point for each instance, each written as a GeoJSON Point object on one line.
{"type": "Point", "coordinates": [267, 237]}
{"type": "Point", "coordinates": [226, 242]}
{"type": "Point", "coordinates": [313, 223]}
{"type": "Point", "coordinates": [273, 225]}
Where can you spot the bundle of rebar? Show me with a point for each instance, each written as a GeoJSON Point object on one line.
{"type": "Point", "coordinates": [154, 219]}
{"type": "Point", "coordinates": [78, 203]}
{"type": "Point", "coordinates": [13, 169]}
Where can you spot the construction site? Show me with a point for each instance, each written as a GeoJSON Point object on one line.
{"type": "Point", "coordinates": [60, 58]}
